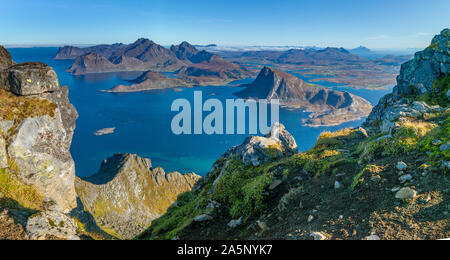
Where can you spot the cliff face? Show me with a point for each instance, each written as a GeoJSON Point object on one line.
{"type": "Point", "coordinates": [37, 125]}
{"type": "Point", "coordinates": [127, 194]}
{"type": "Point", "coordinates": [386, 181]}
{"type": "Point", "coordinates": [331, 107]}
{"type": "Point", "coordinates": [37, 171]}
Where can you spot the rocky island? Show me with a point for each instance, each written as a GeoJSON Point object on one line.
{"type": "Point", "coordinates": [150, 80]}
{"type": "Point", "coordinates": [330, 107]}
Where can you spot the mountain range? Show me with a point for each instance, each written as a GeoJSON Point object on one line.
{"type": "Point", "coordinates": [194, 66]}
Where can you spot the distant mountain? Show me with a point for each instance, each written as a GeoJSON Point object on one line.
{"type": "Point", "coordinates": [195, 66]}
{"type": "Point", "coordinates": [327, 56]}
{"type": "Point", "coordinates": [150, 80]}
{"type": "Point", "coordinates": [361, 51]}
{"type": "Point", "coordinates": [392, 60]}
{"type": "Point", "coordinates": [331, 107]}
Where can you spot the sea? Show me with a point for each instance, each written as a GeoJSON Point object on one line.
{"type": "Point", "coordinates": [143, 120]}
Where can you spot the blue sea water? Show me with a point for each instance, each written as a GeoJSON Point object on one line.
{"type": "Point", "coordinates": [143, 120]}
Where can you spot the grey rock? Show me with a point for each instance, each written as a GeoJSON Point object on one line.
{"type": "Point", "coordinates": [31, 78]}
{"type": "Point", "coordinates": [373, 238]}
{"type": "Point", "coordinates": [235, 223]}
{"type": "Point", "coordinates": [41, 150]}
{"type": "Point", "coordinates": [406, 193]}
{"type": "Point", "coordinates": [3, 153]}
{"type": "Point", "coordinates": [445, 147]}
{"type": "Point", "coordinates": [318, 236]}
{"type": "Point", "coordinates": [311, 218]}
{"type": "Point", "coordinates": [448, 94]}
{"type": "Point", "coordinates": [436, 142]}
{"type": "Point", "coordinates": [202, 218]}
{"type": "Point", "coordinates": [5, 125]}
{"type": "Point", "coordinates": [337, 185]}
{"type": "Point", "coordinates": [401, 166]}
{"type": "Point", "coordinates": [406, 178]}
{"type": "Point", "coordinates": [258, 150]}
{"type": "Point", "coordinates": [51, 224]}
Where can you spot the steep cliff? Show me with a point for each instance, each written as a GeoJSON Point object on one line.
{"type": "Point", "coordinates": [387, 181]}
{"type": "Point", "coordinates": [127, 194]}
{"type": "Point", "coordinates": [37, 171]}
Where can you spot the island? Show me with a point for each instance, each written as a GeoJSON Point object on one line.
{"type": "Point", "coordinates": [328, 107]}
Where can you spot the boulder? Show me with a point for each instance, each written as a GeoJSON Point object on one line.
{"type": "Point", "coordinates": [202, 218]}
{"type": "Point", "coordinates": [445, 147]}
{"type": "Point", "coordinates": [318, 236]}
{"type": "Point", "coordinates": [406, 193]}
{"type": "Point", "coordinates": [258, 150]}
{"type": "Point", "coordinates": [401, 166]}
{"type": "Point", "coordinates": [235, 223]}
{"type": "Point", "coordinates": [31, 78]}
{"type": "Point", "coordinates": [51, 225]}
{"type": "Point", "coordinates": [41, 150]}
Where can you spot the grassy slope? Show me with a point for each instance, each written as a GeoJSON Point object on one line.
{"type": "Point", "coordinates": [365, 203]}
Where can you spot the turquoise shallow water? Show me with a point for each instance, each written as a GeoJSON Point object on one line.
{"type": "Point", "coordinates": [143, 120]}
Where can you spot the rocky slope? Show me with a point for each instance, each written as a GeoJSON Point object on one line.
{"type": "Point", "coordinates": [331, 107]}
{"type": "Point", "coordinates": [388, 181]}
{"type": "Point", "coordinates": [150, 80]}
{"type": "Point", "coordinates": [127, 194]}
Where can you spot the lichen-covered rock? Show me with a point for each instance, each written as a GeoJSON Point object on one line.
{"type": "Point", "coordinates": [51, 225]}
{"type": "Point", "coordinates": [258, 150]}
{"type": "Point", "coordinates": [41, 150]}
{"type": "Point", "coordinates": [30, 78]}
{"type": "Point", "coordinates": [3, 154]}
{"type": "Point", "coordinates": [127, 194]}
{"type": "Point", "coordinates": [418, 75]}
{"type": "Point", "coordinates": [5, 59]}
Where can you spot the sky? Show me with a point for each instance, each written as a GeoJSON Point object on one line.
{"type": "Point", "coordinates": [378, 24]}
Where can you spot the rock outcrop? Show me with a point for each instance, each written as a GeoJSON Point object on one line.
{"type": "Point", "coordinates": [150, 80]}
{"type": "Point", "coordinates": [416, 78]}
{"type": "Point", "coordinates": [40, 122]}
{"type": "Point", "coordinates": [127, 194]}
{"type": "Point", "coordinates": [331, 107]}
{"type": "Point", "coordinates": [5, 59]}
{"type": "Point", "coordinates": [255, 150]}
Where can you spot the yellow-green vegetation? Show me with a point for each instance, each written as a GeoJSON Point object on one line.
{"type": "Point", "coordinates": [25, 195]}
{"type": "Point", "coordinates": [368, 170]}
{"type": "Point", "coordinates": [439, 94]}
{"type": "Point", "coordinates": [16, 108]}
{"type": "Point", "coordinates": [242, 188]}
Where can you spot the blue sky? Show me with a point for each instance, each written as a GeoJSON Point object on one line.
{"type": "Point", "coordinates": [341, 23]}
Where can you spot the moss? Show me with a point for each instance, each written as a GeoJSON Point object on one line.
{"type": "Point", "coordinates": [360, 177]}
{"type": "Point", "coordinates": [26, 195]}
{"type": "Point", "coordinates": [51, 222]}
{"type": "Point", "coordinates": [438, 96]}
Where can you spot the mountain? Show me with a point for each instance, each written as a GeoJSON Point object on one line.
{"type": "Point", "coordinates": [331, 107]}
{"type": "Point", "coordinates": [194, 66]}
{"type": "Point", "coordinates": [361, 51]}
{"type": "Point", "coordinates": [127, 194]}
{"type": "Point", "coordinates": [150, 80]}
{"type": "Point", "coordinates": [328, 56]}
{"type": "Point", "coordinates": [386, 181]}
